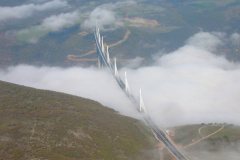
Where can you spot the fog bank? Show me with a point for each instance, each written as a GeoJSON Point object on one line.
{"type": "Point", "coordinates": [190, 85]}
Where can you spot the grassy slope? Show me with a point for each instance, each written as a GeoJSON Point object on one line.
{"type": "Point", "coordinates": [50, 125]}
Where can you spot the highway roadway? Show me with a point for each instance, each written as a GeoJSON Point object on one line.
{"type": "Point", "coordinates": [161, 136]}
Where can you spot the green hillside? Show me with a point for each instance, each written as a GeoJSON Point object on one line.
{"type": "Point", "coordinates": [40, 124]}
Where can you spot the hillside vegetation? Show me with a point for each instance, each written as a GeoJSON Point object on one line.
{"type": "Point", "coordinates": [40, 124]}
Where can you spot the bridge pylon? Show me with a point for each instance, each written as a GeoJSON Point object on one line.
{"type": "Point", "coordinates": [108, 58]}
{"type": "Point", "coordinates": [115, 68]}
{"type": "Point", "coordinates": [141, 104]}
{"type": "Point", "coordinates": [102, 46]}
{"type": "Point", "coordinates": [100, 49]}
{"type": "Point", "coordinates": [98, 35]}
{"type": "Point", "coordinates": [127, 89]}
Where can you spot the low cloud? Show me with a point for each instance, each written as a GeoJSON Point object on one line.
{"type": "Point", "coordinates": [190, 85]}
{"type": "Point", "coordinates": [105, 16]}
{"type": "Point", "coordinates": [220, 150]}
{"type": "Point", "coordinates": [58, 22]}
{"type": "Point", "coordinates": [27, 10]}
{"type": "Point", "coordinates": [206, 41]}
{"type": "Point", "coordinates": [53, 23]}
{"type": "Point", "coordinates": [134, 63]}
{"type": "Point", "coordinates": [233, 155]}
{"type": "Point", "coordinates": [235, 39]}
{"type": "Point", "coordinates": [90, 83]}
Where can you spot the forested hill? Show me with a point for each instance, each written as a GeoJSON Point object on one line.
{"type": "Point", "coordinates": [40, 124]}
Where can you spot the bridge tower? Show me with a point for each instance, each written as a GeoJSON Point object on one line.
{"type": "Point", "coordinates": [115, 68]}
{"type": "Point", "coordinates": [100, 48]}
{"type": "Point", "coordinates": [100, 60]}
{"type": "Point", "coordinates": [141, 104]}
{"type": "Point", "coordinates": [108, 58]}
{"type": "Point", "coordinates": [127, 89]}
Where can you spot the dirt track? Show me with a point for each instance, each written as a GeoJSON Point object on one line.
{"type": "Point", "coordinates": [203, 137]}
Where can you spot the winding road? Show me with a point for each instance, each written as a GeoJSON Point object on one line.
{"type": "Point", "coordinates": [78, 58]}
